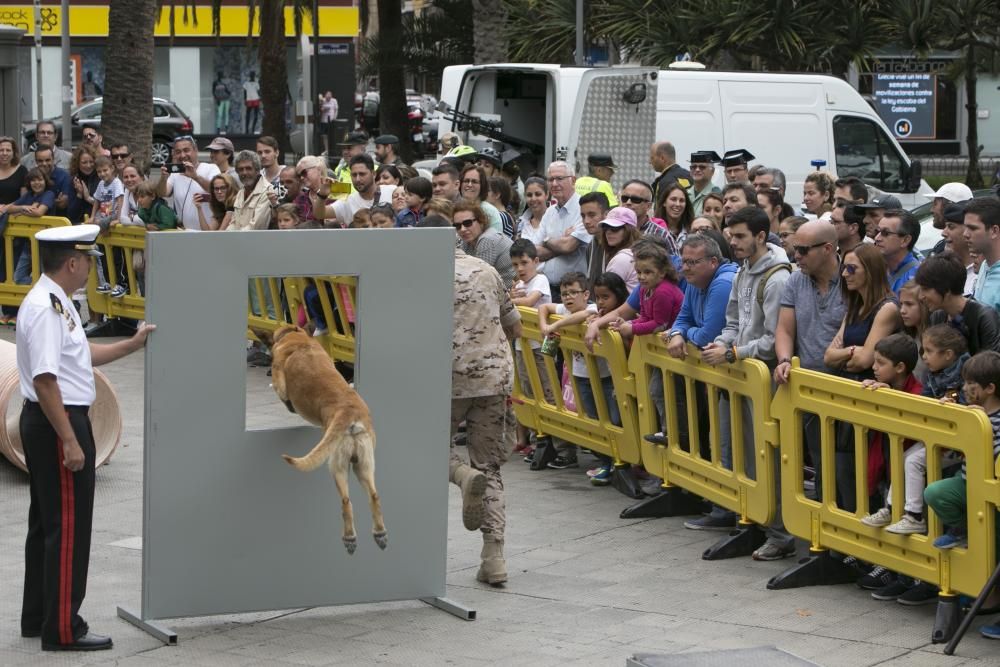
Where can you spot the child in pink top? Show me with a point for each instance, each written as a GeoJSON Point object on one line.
{"type": "Point", "coordinates": [660, 298]}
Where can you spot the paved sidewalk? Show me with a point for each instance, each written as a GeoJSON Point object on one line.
{"type": "Point", "coordinates": [586, 588]}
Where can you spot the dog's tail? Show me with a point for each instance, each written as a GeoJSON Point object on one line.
{"type": "Point", "coordinates": [320, 453]}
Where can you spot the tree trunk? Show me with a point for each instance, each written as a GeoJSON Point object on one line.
{"type": "Point", "coordinates": [973, 175]}
{"type": "Point", "coordinates": [273, 58]}
{"type": "Point", "coordinates": [489, 21]}
{"type": "Point", "coordinates": [127, 115]}
{"type": "Point", "coordinates": [392, 89]}
{"type": "Point", "coordinates": [371, 25]}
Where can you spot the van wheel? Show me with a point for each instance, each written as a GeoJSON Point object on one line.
{"type": "Point", "coordinates": [159, 153]}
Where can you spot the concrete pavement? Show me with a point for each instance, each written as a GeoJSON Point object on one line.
{"type": "Point", "coordinates": [586, 588]}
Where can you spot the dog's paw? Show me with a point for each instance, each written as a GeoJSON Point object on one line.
{"type": "Point", "coordinates": [351, 544]}
{"type": "Point", "coordinates": [381, 539]}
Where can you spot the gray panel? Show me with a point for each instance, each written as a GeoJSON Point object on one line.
{"type": "Point", "coordinates": [228, 525]}
{"type": "Point", "coordinates": [609, 125]}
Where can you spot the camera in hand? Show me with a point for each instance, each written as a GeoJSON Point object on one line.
{"type": "Point", "coordinates": [175, 167]}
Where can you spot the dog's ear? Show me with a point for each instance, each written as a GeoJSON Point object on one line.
{"type": "Point", "coordinates": [263, 335]}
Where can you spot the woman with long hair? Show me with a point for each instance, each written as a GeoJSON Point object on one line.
{"type": "Point", "coordinates": [388, 174]}
{"type": "Point", "coordinates": [872, 313]}
{"type": "Point", "coordinates": [223, 189]}
{"type": "Point", "coordinates": [529, 225]}
{"type": "Point", "coordinates": [712, 208]}
{"type": "Point", "coordinates": [500, 195]}
{"type": "Point", "coordinates": [676, 209]}
{"type": "Point", "coordinates": [771, 202]}
{"type": "Point", "coordinates": [475, 188]}
{"type": "Point", "coordinates": [618, 232]}
{"type": "Point", "coordinates": [131, 178]}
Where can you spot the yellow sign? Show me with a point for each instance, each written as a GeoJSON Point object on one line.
{"type": "Point", "coordinates": [92, 21]}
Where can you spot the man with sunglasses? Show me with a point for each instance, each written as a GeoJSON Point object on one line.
{"type": "Point", "coordinates": [121, 157]}
{"type": "Point", "coordinates": [638, 196]}
{"type": "Point", "coordinates": [45, 135]}
{"type": "Point", "coordinates": [93, 136]}
{"type": "Point", "coordinates": [702, 170]}
{"type": "Point", "coordinates": [895, 236]}
{"type": "Point", "coordinates": [812, 309]}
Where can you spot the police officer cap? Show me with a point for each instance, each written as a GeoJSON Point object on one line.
{"type": "Point", "coordinates": [954, 213]}
{"type": "Point", "coordinates": [73, 237]}
{"type": "Point", "coordinates": [601, 160]}
{"type": "Point", "coordinates": [702, 157]}
{"type": "Point", "coordinates": [736, 157]}
{"type": "Point", "coordinates": [354, 139]}
{"type": "Point", "coordinates": [384, 139]}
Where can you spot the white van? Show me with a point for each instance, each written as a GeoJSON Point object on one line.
{"type": "Point", "coordinates": [785, 120]}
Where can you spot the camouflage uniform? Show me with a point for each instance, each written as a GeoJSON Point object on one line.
{"type": "Point", "coordinates": [482, 377]}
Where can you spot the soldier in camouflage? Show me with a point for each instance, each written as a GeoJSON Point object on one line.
{"type": "Point", "coordinates": [481, 380]}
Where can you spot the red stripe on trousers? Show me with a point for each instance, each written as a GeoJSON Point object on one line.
{"type": "Point", "coordinates": [65, 548]}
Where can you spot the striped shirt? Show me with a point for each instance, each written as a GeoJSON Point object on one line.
{"type": "Point", "coordinates": [995, 423]}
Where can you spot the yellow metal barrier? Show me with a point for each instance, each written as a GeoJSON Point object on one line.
{"type": "Point", "coordinates": [682, 462]}
{"type": "Point", "coordinates": [338, 300]}
{"type": "Point", "coordinates": [22, 227]}
{"type": "Point", "coordinates": [122, 246]}
{"type": "Point", "coordinates": [599, 435]}
{"type": "Point", "coordinates": [900, 416]}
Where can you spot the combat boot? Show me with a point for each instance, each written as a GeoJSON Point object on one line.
{"type": "Point", "coordinates": [473, 485]}
{"type": "Point", "coordinates": [493, 569]}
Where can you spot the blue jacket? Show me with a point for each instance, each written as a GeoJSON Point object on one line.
{"type": "Point", "coordinates": [942, 382]}
{"type": "Point", "coordinates": [703, 313]}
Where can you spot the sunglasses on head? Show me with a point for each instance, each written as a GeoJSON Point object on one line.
{"type": "Point", "coordinates": [464, 223]}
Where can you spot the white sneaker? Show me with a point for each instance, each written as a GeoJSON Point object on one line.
{"type": "Point", "coordinates": [881, 518]}
{"type": "Point", "coordinates": [908, 526]}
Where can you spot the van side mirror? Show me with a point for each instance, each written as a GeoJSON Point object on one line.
{"type": "Point", "coordinates": [915, 176]}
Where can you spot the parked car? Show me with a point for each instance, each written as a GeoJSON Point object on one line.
{"type": "Point", "coordinates": [169, 122]}
{"type": "Point", "coordinates": [929, 234]}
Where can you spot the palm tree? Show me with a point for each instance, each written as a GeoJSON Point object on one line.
{"type": "Point", "coordinates": [488, 33]}
{"type": "Point", "coordinates": [392, 86]}
{"type": "Point", "coordinates": [127, 115]}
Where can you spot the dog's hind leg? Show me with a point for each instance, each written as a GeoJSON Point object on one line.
{"type": "Point", "coordinates": [364, 470]}
{"type": "Point", "coordinates": [350, 538]}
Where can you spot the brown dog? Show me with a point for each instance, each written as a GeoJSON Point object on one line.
{"type": "Point", "coordinates": [306, 381]}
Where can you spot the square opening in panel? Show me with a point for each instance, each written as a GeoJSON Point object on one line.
{"type": "Point", "coordinates": [325, 307]}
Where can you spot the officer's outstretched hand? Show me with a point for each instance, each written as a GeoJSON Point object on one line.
{"type": "Point", "coordinates": [139, 339]}
{"type": "Point", "coordinates": [72, 456]}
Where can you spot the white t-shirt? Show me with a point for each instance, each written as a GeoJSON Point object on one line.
{"type": "Point", "coordinates": [537, 284]}
{"type": "Point", "coordinates": [579, 363]}
{"type": "Point", "coordinates": [346, 208]}
{"type": "Point", "coordinates": [183, 191]}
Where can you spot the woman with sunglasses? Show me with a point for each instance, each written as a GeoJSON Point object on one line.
{"type": "Point", "coordinates": [482, 241]}
{"type": "Point", "coordinates": [872, 313]}
{"type": "Point", "coordinates": [618, 232]}
{"type": "Point", "coordinates": [220, 202]}
{"type": "Point", "coordinates": [475, 188]}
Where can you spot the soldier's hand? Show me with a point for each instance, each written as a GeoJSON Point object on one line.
{"type": "Point", "coordinates": [73, 456]}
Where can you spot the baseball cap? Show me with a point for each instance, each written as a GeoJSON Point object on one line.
{"type": "Point", "coordinates": [221, 144]}
{"type": "Point", "coordinates": [620, 217]}
{"type": "Point", "coordinates": [954, 213]}
{"type": "Point", "coordinates": [881, 201]}
{"type": "Point", "coordinates": [953, 192]}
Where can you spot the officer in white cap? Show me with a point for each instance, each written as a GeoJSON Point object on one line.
{"type": "Point", "coordinates": [55, 363]}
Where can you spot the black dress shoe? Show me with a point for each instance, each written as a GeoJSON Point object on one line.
{"type": "Point", "coordinates": [88, 642]}
{"type": "Point", "coordinates": [31, 634]}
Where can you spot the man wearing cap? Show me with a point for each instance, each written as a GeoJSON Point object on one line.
{"type": "Point", "coordinates": [55, 367]}
{"type": "Point", "coordinates": [702, 170]}
{"type": "Point", "coordinates": [354, 143]}
{"type": "Point", "coordinates": [982, 232]}
{"type": "Point", "coordinates": [874, 211]}
{"type": "Point", "coordinates": [954, 193]}
{"type": "Point", "coordinates": [663, 160]}
{"type": "Point", "coordinates": [385, 149]}
{"type": "Point", "coordinates": [185, 187]}
{"type": "Point", "coordinates": [953, 236]}
{"type": "Point", "coordinates": [602, 170]}
{"type": "Point", "coordinates": [221, 152]}
{"type": "Point", "coordinates": [735, 164]}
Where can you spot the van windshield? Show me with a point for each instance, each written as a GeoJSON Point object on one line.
{"type": "Point", "coordinates": [864, 150]}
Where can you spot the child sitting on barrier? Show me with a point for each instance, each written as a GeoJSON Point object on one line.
{"type": "Point", "coordinates": [153, 211]}
{"type": "Point", "coordinates": [947, 497]}
{"type": "Point", "coordinates": [574, 310]}
{"type": "Point", "coordinates": [36, 202]}
{"type": "Point", "coordinates": [108, 198]}
{"type": "Point", "coordinates": [531, 289]}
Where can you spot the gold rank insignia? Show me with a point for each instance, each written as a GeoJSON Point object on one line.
{"type": "Point", "coordinates": [683, 182]}
{"type": "Point", "coordinates": [56, 303]}
{"type": "Point", "coordinates": [58, 307]}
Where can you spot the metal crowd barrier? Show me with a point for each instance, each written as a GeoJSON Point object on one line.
{"type": "Point", "coordinates": [620, 443]}
{"type": "Point", "coordinates": [22, 227]}
{"type": "Point", "coordinates": [692, 459]}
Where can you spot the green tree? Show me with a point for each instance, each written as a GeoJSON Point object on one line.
{"type": "Point", "coordinates": [970, 27]}
{"type": "Point", "coordinates": [127, 114]}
